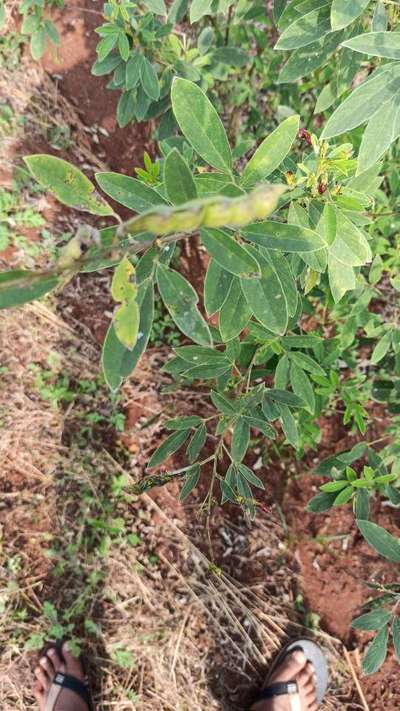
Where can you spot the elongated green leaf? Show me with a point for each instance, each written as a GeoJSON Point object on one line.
{"type": "Point", "coordinates": [107, 65]}
{"type": "Point", "coordinates": [321, 502]}
{"type": "Point", "coordinates": [376, 652]}
{"type": "Point", "coordinates": [381, 348]}
{"type": "Point", "coordinates": [289, 425]}
{"type": "Point", "coordinates": [378, 44]}
{"type": "Point", "coordinates": [126, 323]}
{"type": "Point", "coordinates": [266, 298]}
{"type": "Point", "coordinates": [302, 360]}
{"type": "Point", "coordinates": [216, 287]}
{"type": "Point", "coordinates": [307, 29]}
{"type": "Point", "coordinates": [286, 397]}
{"type": "Point", "coordinates": [19, 286]}
{"type": "Point", "coordinates": [250, 476]}
{"type": "Point", "coordinates": [192, 479]}
{"type": "Point", "coordinates": [396, 637]}
{"type": "Point", "coordinates": [379, 134]}
{"type": "Point", "coordinates": [342, 278]}
{"type": "Point", "coordinates": [235, 312]}
{"type": "Point", "coordinates": [284, 237]}
{"type": "Point", "coordinates": [69, 185]}
{"type": "Point", "coordinates": [350, 245]}
{"type": "Point", "coordinates": [302, 386]}
{"type": "Point", "coordinates": [374, 620]}
{"type": "Point", "coordinates": [281, 267]}
{"type": "Point", "coordinates": [168, 447]}
{"type": "Point", "coordinates": [180, 299]}
{"type": "Point", "coordinates": [156, 6]}
{"type": "Point", "coordinates": [229, 254]}
{"type": "Point", "coordinates": [344, 12]}
{"type": "Point", "coordinates": [380, 19]}
{"type": "Point", "coordinates": [149, 79]}
{"type": "Point", "coordinates": [226, 406]}
{"type": "Point", "coordinates": [197, 355]}
{"type": "Point", "coordinates": [272, 151]}
{"type": "Point", "coordinates": [117, 361]}
{"type": "Point", "coordinates": [199, 8]}
{"type": "Point", "coordinates": [364, 101]}
{"type": "Point", "coordinates": [38, 43]}
{"type": "Point", "coordinates": [307, 59]}
{"type": "Point", "coordinates": [200, 124]}
{"type": "Point", "coordinates": [183, 423]}
{"type": "Point", "coordinates": [196, 443]}
{"type": "Point", "coordinates": [179, 184]}
{"type": "Point", "coordinates": [240, 440]}
{"type": "Point", "coordinates": [129, 192]}
{"type": "Point", "coordinates": [381, 540]}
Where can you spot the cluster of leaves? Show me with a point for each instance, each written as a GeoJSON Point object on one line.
{"type": "Point", "coordinates": [144, 49]}
{"type": "Point", "coordinates": [36, 23]}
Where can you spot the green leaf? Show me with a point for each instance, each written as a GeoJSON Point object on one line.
{"type": "Point", "coordinates": [196, 443]}
{"type": "Point", "coordinates": [266, 297]}
{"type": "Point", "coordinates": [344, 12]}
{"type": "Point", "coordinates": [377, 44]}
{"type": "Point", "coordinates": [305, 362]}
{"type": "Point", "coordinates": [381, 348]}
{"type": "Point", "coordinates": [376, 652]}
{"type": "Point", "coordinates": [132, 71]}
{"type": "Point", "coordinates": [332, 486]}
{"type": "Point", "coordinates": [381, 540]}
{"type": "Point", "coordinates": [240, 440]}
{"type": "Point", "coordinates": [371, 621]}
{"type": "Point", "coordinates": [286, 397]}
{"type": "Point", "coordinates": [350, 246]}
{"type": "Point", "coordinates": [289, 425]}
{"type": "Point", "coordinates": [200, 124]}
{"type": "Point", "coordinates": [272, 151]}
{"type": "Point", "coordinates": [378, 135]}
{"type": "Point", "coordinates": [69, 185]}
{"type": "Point", "coordinates": [321, 502]}
{"type": "Point", "coordinates": [179, 184]}
{"type": "Point", "coordinates": [380, 19]}
{"type": "Point", "coordinates": [168, 447]}
{"type": "Point", "coordinates": [250, 476]}
{"type": "Point", "coordinates": [37, 43]}
{"type": "Point", "coordinates": [302, 386]}
{"type": "Point", "coordinates": [180, 299]}
{"type": "Point", "coordinates": [192, 479]}
{"type": "Point", "coordinates": [232, 56]}
{"type": "Point", "coordinates": [177, 11]}
{"type": "Point", "coordinates": [19, 286]}
{"type": "Point", "coordinates": [307, 29]}
{"type": "Point", "coordinates": [284, 237]}
{"type": "Point", "coordinates": [227, 407]}
{"type": "Point", "coordinates": [229, 254]}
{"type": "Point", "coordinates": [199, 354]}
{"type": "Point", "coordinates": [396, 637]}
{"type": "Point", "coordinates": [129, 192]}
{"type": "Point", "coordinates": [305, 60]}
{"type": "Point", "coordinates": [364, 101]}
{"type": "Point", "coordinates": [216, 287]}
{"type": "Point", "coordinates": [149, 79]}
{"type": "Point", "coordinates": [156, 6]}
{"type": "Point", "coordinates": [235, 313]}
{"type": "Point", "coordinates": [105, 66]}
{"type": "Point", "coordinates": [281, 267]}
{"type": "Point", "coordinates": [183, 423]}
{"type": "Point", "coordinates": [123, 46]}
{"type": "Point", "coordinates": [341, 278]}
{"type": "Point", "coordinates": [344, 496]}
{"type": "Point", "coordinates": [361, 504]}
{"type": "Point", "coordinates": [126, 108]}
{"type": "Point", "coordinates": [52, 32]}
{"type": "Point", "coordinates": [199, 8]}
{"type": "Point", "coordinates": [117, 361]}
{"type": "Point", "coordinates": [281, 376]}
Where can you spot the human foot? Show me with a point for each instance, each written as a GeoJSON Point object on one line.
{"type": "Point", "coordinates": [294, 668]}
{"type": "Point", "coordinates": [52, 692]}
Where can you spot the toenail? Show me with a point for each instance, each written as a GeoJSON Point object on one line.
{"type": "Point", "coordinates": [300, 657]}
{"type": "Point", "coordinates": [52, 652]}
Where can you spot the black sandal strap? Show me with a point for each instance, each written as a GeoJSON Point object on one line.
{"type": "Point", "coordinates": [281, 688]}
{"type": "Point", "coordinates": [66, 681]}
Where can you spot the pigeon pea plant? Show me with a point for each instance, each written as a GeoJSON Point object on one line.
{"type": "Point", "coordinates": [36, 23]}
{"type": "Point", "coordinates": [144, 47]}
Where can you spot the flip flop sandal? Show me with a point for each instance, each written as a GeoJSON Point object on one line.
{"type": "Point", "coordinates": [313, 654]}
{"type": "Point", "coordinates": [63, 681]}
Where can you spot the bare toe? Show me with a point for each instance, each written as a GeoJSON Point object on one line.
{"type": "Point", "coordinates": [73, 665]}
{"type": "Point", "coordinates": [56, 660]}
{"type": "Point", "coordinates": [42, 678]}
{"type": "Point", "coordinates": [47, 667]}
{"type": "Point", "coordinates": [290, 668]}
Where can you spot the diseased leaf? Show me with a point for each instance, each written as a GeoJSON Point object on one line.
{"type": "Point", "coordinates": [377, 44]}
{"type": "Point", "coordinates": [19, 286]}
{"type": "Point", "coordinates": [200, 124]}
{"type": "Point", "coordinates": [308, 28]}
{"type": "Point", "coordinates": [341, 278]}
{"type": "Point", "coordinates": [69, 185]}
{"type": "Point", "coordinates": [305, 60]}
{"type": "Point", "coordinates": [272, 151]}
{"type": "Point", "coordinates": [229, 254]}
{"type": "Point", "coordinates": [129, 192]}
{"type": "Point", "coordinates": [374, 620]}
{"type": "Point", "coordinates": [196, 443]}
{"type": "Point", "coordinates": [192, 479]}
{"type": "Point", "coordinates": [216, 287]}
